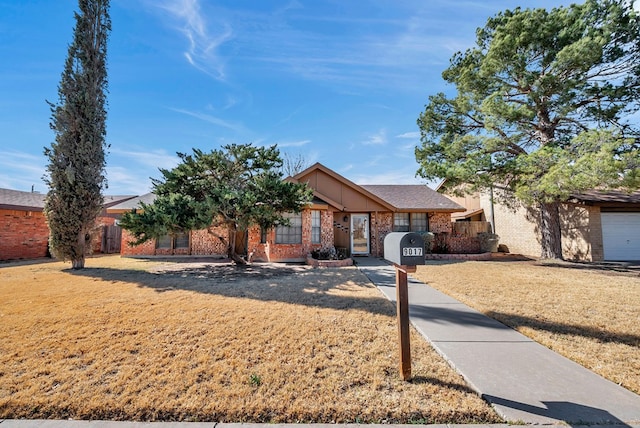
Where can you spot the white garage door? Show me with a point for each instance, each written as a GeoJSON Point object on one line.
{"type": "Point", "coordinates": [621, 236]}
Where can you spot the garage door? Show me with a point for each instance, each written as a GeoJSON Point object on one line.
{"type": "Point", "coordinates": [621, 236]}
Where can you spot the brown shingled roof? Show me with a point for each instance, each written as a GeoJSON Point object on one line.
{"type": "Point", "coordinates": [413, 197]}
{"type": "Point", "coordinates": [615, 196]}
{"type": "Point", "coordinates": [31, 201]}
{"type": "Point", "coordinates": [19, 200]}
{"type": "Point", "coordinates": [133, 203]}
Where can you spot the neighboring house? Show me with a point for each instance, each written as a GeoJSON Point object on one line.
{"type": "Point", "coordinates": [352, 218]}
{"type": "Point", "coordinates": [24, 233]}
{"type": "Point", "coordinates": [596, 226]}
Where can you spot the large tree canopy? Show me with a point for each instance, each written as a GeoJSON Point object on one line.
{"type": "Point", "coordinates": [236, 187]}
{"type": "Point", "coordinates": [77, 157]}
{"type": "Point", "coordinates": [543, 109]}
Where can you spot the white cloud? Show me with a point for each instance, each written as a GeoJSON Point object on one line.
{"type": "Point", "coordinates": [391, 177]}
{"type": "Point", "coordinates": [294, 143]}
{"type": "Point", "coordinates": [128, 181]}
{"type": "Point", "coordinates": [202, 51]}
{"type": "Point", "coordinates": [151, 158]}
{"type": "Point", "coordinates": [22, 171]}
{"type": "Point", "coordinates": [378, 138]}
{"type": "Point", "coordinates": [237, 127]}
{"type": "Point", "coordinates": [410, 135]}
{"type": "Point", "coordinates": [346, 168]}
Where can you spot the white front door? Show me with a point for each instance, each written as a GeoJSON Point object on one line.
{"type": "Point", "coordinates": [359, 233]}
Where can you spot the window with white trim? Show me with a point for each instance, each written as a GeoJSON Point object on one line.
{"type": "Point", "coordinates": [315, 227]}
{"type": "Point", "coordinates": [410, 222]}
{"type": "Point", "coordinates": [179, 240]}
{"type": "Point", "coordinates": [419, 222]}
{"type": "Point", "coordinates": [400, 222]}
{"type": "Point", "coordinates": [291, 234]}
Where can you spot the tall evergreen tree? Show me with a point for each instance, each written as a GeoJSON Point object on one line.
{"type": "Point", "coordinates": [543, 108]}
{"type": "Point", "coordinates": [77, 157]}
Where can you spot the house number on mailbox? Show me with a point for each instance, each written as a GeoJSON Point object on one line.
{"type": "Point", "coordinates": [412, 251]}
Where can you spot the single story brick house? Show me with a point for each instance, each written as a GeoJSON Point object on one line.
{"type": "Point", "coordinates": [595, 225]}
{"type": "Point", "coordinates": [350, 217]}
{"type": "Point", "coordinates": [24, 233]}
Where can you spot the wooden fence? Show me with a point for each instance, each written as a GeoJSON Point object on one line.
{"type": "Point", "coordinates": [111, 237]}
{"type": "Point", "coordinates": [470, 228]}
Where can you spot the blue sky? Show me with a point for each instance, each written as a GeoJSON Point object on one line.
{"type": "Point", "coordinates": [340, 82]}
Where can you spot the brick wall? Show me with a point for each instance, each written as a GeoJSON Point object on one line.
{"type": "Point", "coordinates": [440, 223]}
{"type": "Point", "coordinates": [581, 232]}
{"type": "Point", "coordinates": [270, 251]}
{"type": "Point", "coordinates": [202, 243]}
{"type": "Point", "coordinates": [595, 234]}
{"type": "Point", "coordinates": [381, 225]}
{"type": "Point", "coordinates": [257, 251]}
{"type": "Point", "coordinates": [23, 235]}
{"type": "Point", "coordinates": [518, 230]}
{"type": "Point", "coordinates": [515, 226]}
{"type": "Point", "coordinates": [208, 242]}
{"type": "Point", "coordinates": [146, 249]}
{"type": "Point", "coordinates": [463, 245]}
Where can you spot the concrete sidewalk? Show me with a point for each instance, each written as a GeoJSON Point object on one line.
{"type": "Point", "coordinates": [523, 380]}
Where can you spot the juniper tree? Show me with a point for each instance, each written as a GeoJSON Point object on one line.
{"type": "Point", "coordinates": [234, 187]}
{"type": "Point", "coordinates": [76, 160]}
{"type": "Point", "coordinates": [543, 109]}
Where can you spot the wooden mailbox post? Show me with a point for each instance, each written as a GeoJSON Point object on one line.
{"type": "Point", "coordinates": [405, 251]}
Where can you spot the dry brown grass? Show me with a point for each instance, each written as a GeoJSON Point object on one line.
{"type": "Point", "coordinates": [140, 340]}
{"type": "Point", "coordinates": [589, 316]}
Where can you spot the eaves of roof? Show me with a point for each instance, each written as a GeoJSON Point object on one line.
{"type": "Point", "coordinates": [343, 180]}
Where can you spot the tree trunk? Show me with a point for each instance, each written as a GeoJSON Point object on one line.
{"type": "Point", "coordinates": [550, 231]}
{"type": "Point", "coordinates": [231, 249]}
{"type": "Point", "coordinates": [78, 261]}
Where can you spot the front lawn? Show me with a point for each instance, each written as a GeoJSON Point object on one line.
{"type": "Point", "coordinates": [590, 316]}
{"type": "Point", "coordinates": [139, 340]}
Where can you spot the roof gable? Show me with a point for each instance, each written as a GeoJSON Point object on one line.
{"type": "Point", "coordinates": [348, 196]}
{"type": "Point", "coordinates": [340, 192]}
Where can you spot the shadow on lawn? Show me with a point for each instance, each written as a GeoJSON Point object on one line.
{"type": "Point", "coordinates": [603, 336]}
{"type": "Point", "coordinates": [428, 380]}
{"type": "Point", "coordinates": [323, 288]}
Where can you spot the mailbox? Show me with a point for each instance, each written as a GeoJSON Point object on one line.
{"type": "Point", "coordinates": [404, 248]}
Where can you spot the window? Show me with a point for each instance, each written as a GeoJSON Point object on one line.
{"type": "Point", "coordinates": [419, 222]}
{"type": "Point", "coordinates": [180, 240]}
{"type": "Point", "coordinates": [315, 227]}
{"type": "Point", "coordinates": [164, 242]}
{"type": "Point", "coordinates": [414, 222]}
{"type": "Point", "coordinates": [263, 235]}
{"type": "Point", "coordinates": [400, 222]}
{"type": "Point", "coordinates": [290, 234]}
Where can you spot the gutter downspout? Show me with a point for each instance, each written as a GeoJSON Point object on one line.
{"type": "Point", "coordinates": [492, 211]}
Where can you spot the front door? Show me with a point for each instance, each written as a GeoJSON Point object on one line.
{"type": "Point", "coordinates": [359, 233]}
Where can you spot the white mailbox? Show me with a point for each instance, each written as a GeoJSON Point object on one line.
{"type": "Point", "coordinates": [404, 248]}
